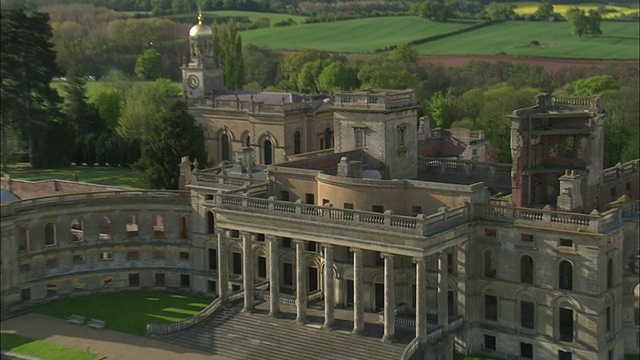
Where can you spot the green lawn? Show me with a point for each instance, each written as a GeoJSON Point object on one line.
{"type": "Point", "coordinates": [619, 41]}
{"type": "Point", "coordinates": [128, 312]}
{"type": "Point", "coordinates": [359, 35]}
{"type": "Point", "coordinates": [114, 176]}
{"type": "Point", "coordinates": [253, 15]}
{"type": "Point", "coordinates": [42, 350]}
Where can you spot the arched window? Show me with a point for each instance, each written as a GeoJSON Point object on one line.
{"type": "Point", "coordinates": [268, 152]}
{"type": "Point", "coordinates": [49, 234]}
{"type": "Point", "coordinates": [610, 273]}
{"type": "Point", "coordinates": [526, 269]}
{"type": "Point", "coordinates": [247, 141]}
{"type": "Point", "coordinates": [297, 149]}
{"type": "Point", "coordinates": [211, 223]}
{"type": "Point", "coordinates": [328, 138]}
{"type": "Point", "coordinates": [24, 239]}
{"type": "Point", "coordinates": [225, 148]}
{"type": "Point", "coordinates": [489, 265]}
{"type": "Point", "coordinates": [132, 226]}
{"type": "Point", "coordinates": [76, 230]}
{"type": "Point", "coordinates": [565, 275]}
{"type": "Point", "coordinates": [105, 229]}
{"type": "Point", "coordinates": [565, 324]}
{"type": "Point", "coordinates": [158, 226]}
{"type": "Point", "coordinates": [184, 227]}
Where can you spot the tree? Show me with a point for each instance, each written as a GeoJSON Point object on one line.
{"type": "Point", "coordinates": [405, 52]}
{"type": "Point", "coordinates": [387, 75]}
{"type": "Point", "coordinates": [149, 65]}
{"type": "Point", "coordinates": [337, 76]}
{"type": "Point", "coordinates": [174, 135]}
{"type": "Point", "coordinates": [443, 109]}
{"type": "Point", "coordinates": [438, 10]}
{"type": "Point", "coordinates": [577, 20]}
{"type": "Point", "coordinates": [501, 11]}
{"type": "Point", "coordinates": [260, 65]}
{"type": "Point", "coordinates": [594, 85]}
{"type": "Point", "coordinates": [30, 107]}
{"type": "Point", "coordinates": [593, 23]}
{"type": "Point", "coordinates": [621, 128]}
{"type": "Point", "coordinates": [230, 50]}
{"type": "Point", "coordinates": [108, 101]}
{"type": "Point", "coordinates": [307, 78]}
{"type": "Point", "coordinates": [544, 11]}
{"type": "Point", "coordinates": [292, 64]}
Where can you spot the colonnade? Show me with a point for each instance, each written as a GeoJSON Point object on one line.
{"type": "Point", "coordinates": [329, 288]}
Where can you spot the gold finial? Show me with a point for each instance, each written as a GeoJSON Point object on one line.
{"type": "Point", "coordinates": [199, 16]}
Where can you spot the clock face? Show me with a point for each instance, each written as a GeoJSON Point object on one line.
{"type": "Point", "coordinates": [193, 81]}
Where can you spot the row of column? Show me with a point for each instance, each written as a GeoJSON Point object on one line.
{"type": "Point", "coordinates": [329, 288]}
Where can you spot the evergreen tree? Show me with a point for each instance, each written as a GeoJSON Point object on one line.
{"type": "Point", "coordinates": [176, 134]}
{"type": "Point", "coordinates": [229, 46]}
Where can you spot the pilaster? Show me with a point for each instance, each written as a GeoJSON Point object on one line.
{"type": "Point", "coordinates": [329, 289]}
{"type": "Point", "coordinates": [247, 272]}
{"type": "Point", "coordinates": [301, 283]}
{"type": "Point", "coordinates": [389, 299]}
{"type": "Point", "coordinates": [274, 276]}
{"type": "Point", "coordinates": [358, 304]}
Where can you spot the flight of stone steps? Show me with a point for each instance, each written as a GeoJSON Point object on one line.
{"type": "Point", "coordinates": [258, 336]}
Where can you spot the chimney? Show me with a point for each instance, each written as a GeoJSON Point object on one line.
{"type": "Point", "coordinates": [185, 173]}
{"type": "Point", "coordinates": [570, 198]}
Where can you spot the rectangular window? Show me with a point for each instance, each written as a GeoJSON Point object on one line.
{"type": "Point", "coordinates": [237, 263]}
{"type": "Point", "coordinates": [185, 280]}
{"type": "Point", "coordinates": [526, 237]}
{"type": "Point", "coordinates": [184, 255]}
{"type": "Point", "coordinates": [348, 206]}
{"type": "Point", "coordinates": [286, 243]}
{"type": "Point", "coordinates": [160, 279]}
{"type": "Point", "coordinates": [415, 210]}
{"type": "Point", "coordinates": [377, 208]}
{"type": "Point", "coordinates": [77, 259]}
{"type": "Point", "coordinates": [134, 279]}
{"type": "Point", "coordinates": [284, 195]}
{"type": "Point", "coordinates": [310, 199]}
{"type": "Point", "coordinates": [490, 232]}
{"type": "Point", "coordinates": [25, 294]}
{"type": "Point", "coordinates": [213, 259]}
{"type": "Point", "coordinates": [489, 342]}
{"type": "Point", "coordinates": [209, 197]}
{"type": "Point", "coordinates": [490, 307]}
{"type": "Point", "coordinates": [402, 129]}
{"type": "Point", "coordinates": [288, 274]}
{"type": "Point", "coordinates": [260, 237]}
{"type": "Point", "coordinates": [566, 325]}
{"type": "Point", "coordinates": [566, 242]}
{"type": "Point", "coordinates": [359, 137]}
{"type": "Point", "coordinates": [159, 254]}
{"type": "Point", "coordinates": [106, 256]}
{"type": "Point", "coordinates": [526, 350]}
{"type": "Point", "coordinates": [312, 246]}
{"type": "Point", "coordinates": [450, 263]}
{"type": "Point", "coordinates": [262, 267]}
{"type": "Point", "coordinates": [564, 355]}
{"type": "Point", "coordinates": [608, 317]}
{"type": "Point", "coordinates": [527, 313]}
{"type": "Point", "coordinates": [133, 254]}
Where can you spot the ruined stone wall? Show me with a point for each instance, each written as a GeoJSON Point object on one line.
{"type": "Point", "coordinates": [31, 189]}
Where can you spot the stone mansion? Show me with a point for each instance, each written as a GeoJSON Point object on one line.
{"type": "Point", "coordinates": [327, 204]}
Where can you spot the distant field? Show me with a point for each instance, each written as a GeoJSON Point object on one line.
{"type": "Point", "coordinates": [253, 15]}
{"type": "Point", "coordinates": [619, 41]}
{"type": "Point", "coordinates": [360, 35]}
{"type": "Point", "coordinates": [530, 8]}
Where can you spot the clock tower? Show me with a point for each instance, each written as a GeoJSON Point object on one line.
{"type": "Point", "coordinates": [201, 74]}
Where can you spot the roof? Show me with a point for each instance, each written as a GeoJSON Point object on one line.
{"type": "Point", "coordinates": [7, 196]}
{"type": "Point", "coordinates": [267, 97]}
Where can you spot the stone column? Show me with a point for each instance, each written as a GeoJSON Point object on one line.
{"type": "Point", "coordinates": [329, 289]}
{"type": "Point", "coordinates": [223, 268]}
{"type": "Point", "coordinates": [389, 299]}
{"type": "Point", "coordinates": [301, 283]}
{"type": "Point", "coordinates": [247, 272]}
{"type": "Point", "coordinates": [358, 304]}
{"type": "Point", "coordinates": [274, 277]}
{"type": "Point", "coordinates": [443, 319]}
{"type": "Point", "coordinates": [421, 299]}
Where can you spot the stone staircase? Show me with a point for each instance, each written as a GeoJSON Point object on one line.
{"type": "Point", "coordinates": [258, 336]}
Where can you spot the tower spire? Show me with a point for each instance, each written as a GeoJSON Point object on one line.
{"type": "Point", "coordinates": [199, 16]}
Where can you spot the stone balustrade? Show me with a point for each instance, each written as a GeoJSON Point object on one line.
{"type": "Point", "coordinates": [463, 166]}
{"type": "Point", "coordinates": [627, 168]}
{"type": "Point", "coordinates": [411, 349]}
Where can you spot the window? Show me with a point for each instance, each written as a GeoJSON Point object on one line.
{"type": "Point", "coordinates": [260, 237]}
{"type": "Point", "coordinates": [158, 226]}
{"type": "Point", "coordinates": [451, 303]}
{"type": "Point", "coordinates": [184, 227]}
{"type": "Point", "coordinates": [105, 229]}
{"type": "Point", "coordinates": [25, 294]}
{"type": "Point", "coordinates": [610, 355]}
{"type": "Point", "coordinates": [527, 238]}
{"type": "Point", "coordinates": [160, 279]}
{"type": "Point", "coordinates": [348, 206]}
{"type": "Point", "coordinates": [77, 283]}
{"type": "Point", "coordinates": [237, 263]}
{"type": "Point", "coordinates": [211, 223]}
{"type": "Point", "coordinates": [490, 232]}
{"type": "Point", "coordinates": [132, 227]}
{"type": "Point", "coordinates": [297, 148]}
{"type": "Point", "coordinates": [159, 254]}
{"type": "Point", "coordinates": [49, 234]}
{"type": "Point", "coordinates": [610, 273]}
{"type": "Point", "coordinates": [490, 307]}
{"type": "Point", "coordinates": [564, 355]}
{"type": "Point", "coordinates": [133, 254]}
{"type": "Point", "coordinates": [184, 255]}
{"type": "Point", "coordinates": [328, 138]}
{"type": "Point", "coordinates": [312, 246]}
{"type": "Point", "coordinates": [234, 234]}
{"type": "Point", "coordinates": [106, 256]}
{"type": "Point", "coordinates": [134, 279]}
{"type": "Point", "coordinates": [310, 199]}
{"type": "Point", "coordinates": [77, 259]}
{"type": "Point", "coordinates": [359, 137]}
{"type": "Point", "coordinates": [489, 342]}
{"type": "Point", "coordinates": [268, 152]}
{"type": "Point", "coordinates": [377, 208]}
{"type": "Point", "coordinates": [415, 210]}
{"type": "Point", "coordinates": [613, 192]}
{"type": "Point", "coordinates": [608, 318]}
{"type": "Point", "coordinates": [450, 263]}
{"type": "Point", "coordinates": [262, 267]}
{"type": "Point", "coordinates": [284, 195]}
{"type": "Point", "coordinates": [526, 269]}
{"type": "Point", "coordinates": [402, 129]}
{"type": "Point", "coordinates": [225, 148]}
{"type": "Point", "coordinates": [565, 275]}
{"type": "Point", "coordinates": [566, 324]}
{"type": "Point", "coordinates": [526, 350]}
{"type": "Point", "coordinates": [213, 259]}
{"type": "Point", "coordinates": [489, 265]}
{"type": "Point", "coordinates": [247, 141]}
{"type": "Point", "coordinates": [566, 242]}
{"type": "Point", "coordinates": [288, 274]}
{"type": "Point", "coordinates": [185, 280]}
{"type": "Point", "coordinates": [24, 239]}
{"type": "Point", "coordinates": [286, 243]}
{"type": "Point", "coordinates": [527, 314]}
{"type": "Point", "coordinates": [76, 230]}
{"type": "Point", "coordinates": [105, 281]}
{"type": "Point", "coordinates": [52, 289]}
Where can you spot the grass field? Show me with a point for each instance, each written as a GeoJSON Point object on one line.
{"type": "Point", "coordinates": [128, 312]}
{"type": "Point", "coordinates": [360, 35]}
{"type": "Point", "coordinates": [114, 176]}
{"type": "Point", "coordinates": [42, 350]}
{"type": "Point", "coordinates": [616, 10]}
{"type": "Point", "coordinates": [619, 41]}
